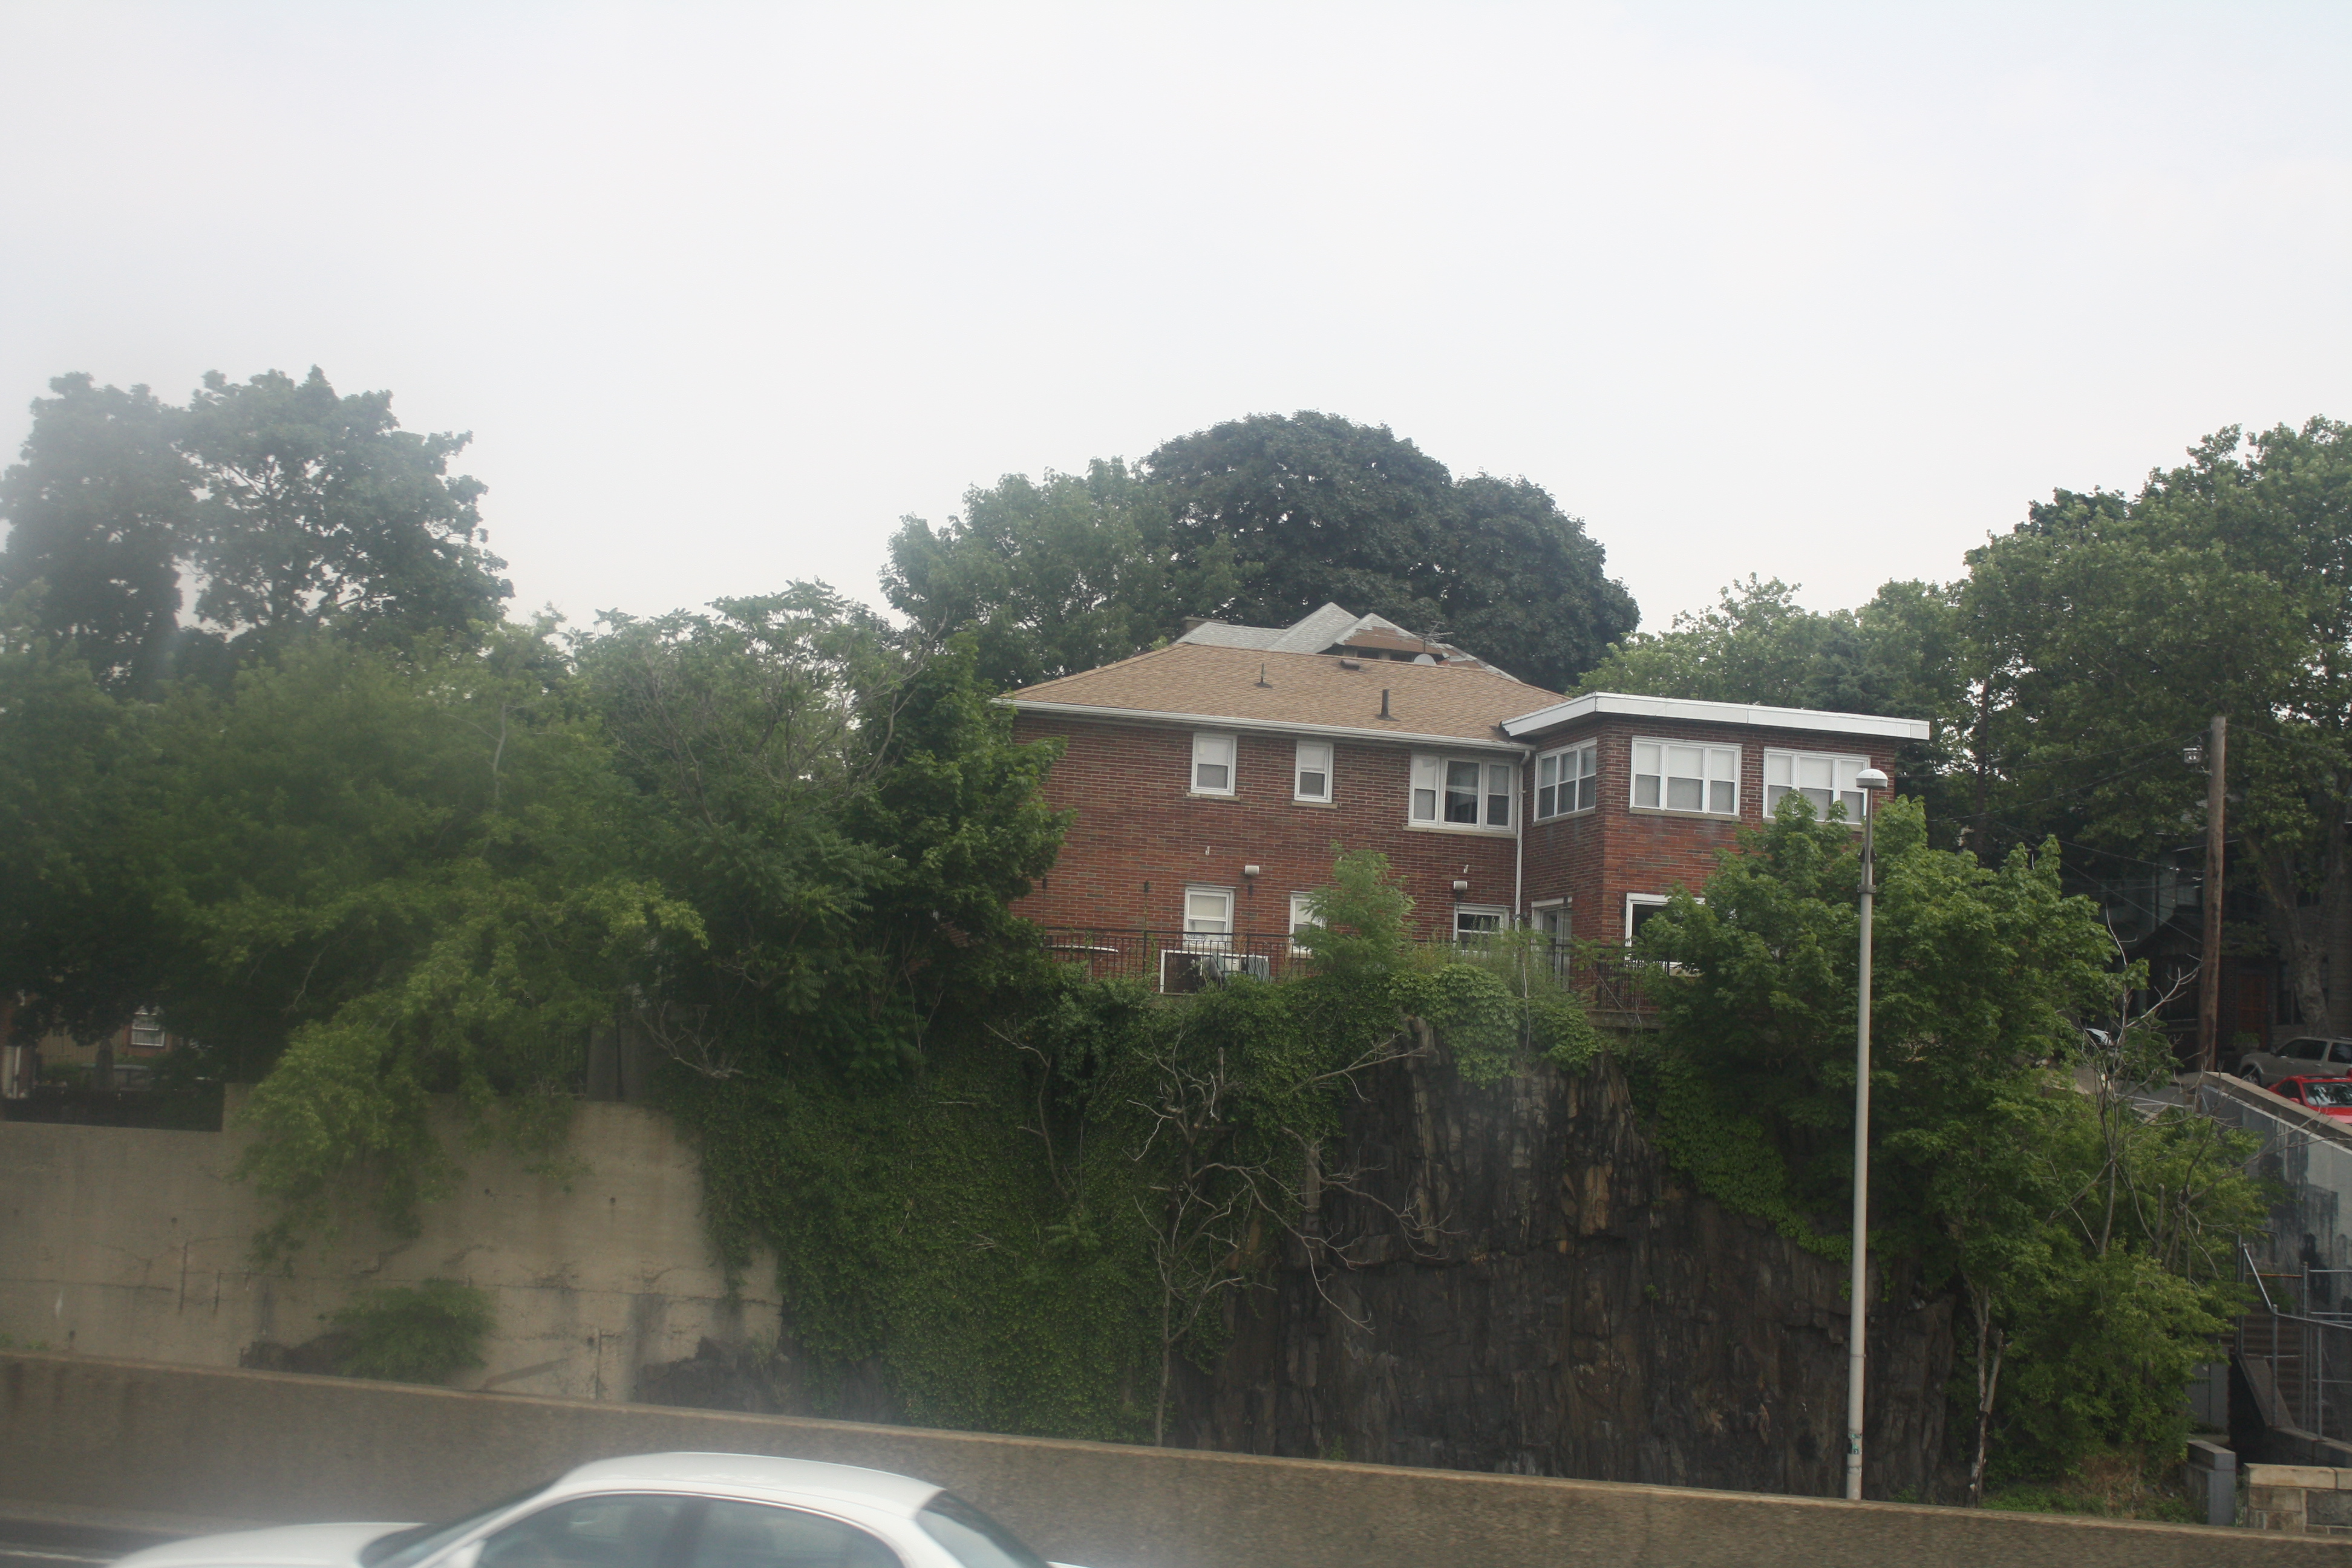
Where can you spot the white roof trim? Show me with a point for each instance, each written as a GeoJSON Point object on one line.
{"type": "Point", "coordinates": [1877, 726]}
{"type": "Point", "coordinates": [1257, 726]}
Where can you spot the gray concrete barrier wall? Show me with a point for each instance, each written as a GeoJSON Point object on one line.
{"type": "Point", "coordinates": [75, 1431]}
{"type": "Point", "coordinates": [129, 1242]}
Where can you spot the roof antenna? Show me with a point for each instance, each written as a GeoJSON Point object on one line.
{"type": "Point", "coordinates": [1262, 680]}
{"type": "Point", "coordinates": [1384, 701]}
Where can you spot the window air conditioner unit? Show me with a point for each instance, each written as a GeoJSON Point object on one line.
{"type": "Point", "coordinates": [1183, 971]}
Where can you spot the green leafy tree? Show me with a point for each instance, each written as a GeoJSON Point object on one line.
{"type": "Point", "coordinates": [319, 509]}
{"type": "Point", "coordinates": [79, 943]}
{"type": "Point", "coordinates": [2089, 1241]}
{"type": "Point", "coordinates": [1903, 653]}
{"type": "Point", "coordinates": [385, 876]}
{"type": "Point", "coordinates": [1318, 509]}
{"type": "Point", "coordinates": [1261, 521]}
{"type": "Point", "coordinates": [293, 506]}
{"type": "Point", "coordinates": [851, 819]}
{"type": "Point", "coordinates": [2115, 628]}
{"type": "Point", "coordinates": [1979, 968]}
{"type": "Point", "coordinates": [98, 512]}
{"type": "Point", "coordinates": [1755, 644]}
{"type": "Point", "coordinates": [1054, 576]}
{"type": "Point", "coordinates": [1356, 928]}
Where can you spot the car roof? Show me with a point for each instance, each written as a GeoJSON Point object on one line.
{"type": "Point", "coordinates": [807, 1479]}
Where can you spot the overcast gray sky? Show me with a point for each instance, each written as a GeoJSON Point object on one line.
{"type": "Point", "coordinates": [1821, 291]}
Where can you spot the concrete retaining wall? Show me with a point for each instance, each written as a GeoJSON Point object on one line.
{"type": "Point", "coordinates": [82, 1432]}
{"type": "Point", "coordinates": [127, 1242]}
{"type": "Point", "coordinates": [2302, 1500]}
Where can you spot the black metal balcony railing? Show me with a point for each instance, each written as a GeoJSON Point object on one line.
{"type": "Point", "coordinates": [1176, 962]}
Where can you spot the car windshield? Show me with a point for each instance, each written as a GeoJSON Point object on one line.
{"type": "Point", "coordinates": [418, 1541]}
{"type": "Point", "coordinates": [2338, 1092]}
{"type": "Point", "coordinates": [971, 1537]}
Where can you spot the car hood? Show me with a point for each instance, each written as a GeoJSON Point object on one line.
{"type": "Point", "coordinates": [287, 1546]}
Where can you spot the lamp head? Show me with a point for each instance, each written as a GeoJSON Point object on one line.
{"type": "Point", "coordinates": [1870, 779]}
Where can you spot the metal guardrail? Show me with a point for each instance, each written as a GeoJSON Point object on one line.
{"type": "Point", "coordinates": [1181, 962]}
{"type": "Point", "coordinates": [2296, 1348]}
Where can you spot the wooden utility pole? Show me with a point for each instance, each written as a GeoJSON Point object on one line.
{"type": "Point", "coordinates": [2209, 974]}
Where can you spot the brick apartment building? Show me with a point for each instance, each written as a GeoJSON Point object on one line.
{"type": "Point", "coordinates": [1214, 779]}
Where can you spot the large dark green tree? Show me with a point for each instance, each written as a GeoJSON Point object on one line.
{"type": "Point", "coordinates": [291, 505]}
{"type": "Point", "coordinates": [79, 940]}
{"type": "Point", "coordinates": [1319, 509]}
{"type": "Point", "coordinates": [1055, 575]}
{"type": "Point", "coordinates": [2114, 629]}
{"type": "Point", "coordinates": [850, 816]}
{"type": "Point", "coordinates": [1261, 521]}
{"type": "Point", "coordinates": [2091, 1238]}
{"type": "Point", "coordinates": [317, 508]}
{"type": "Point", "coordinates": [98, 514]}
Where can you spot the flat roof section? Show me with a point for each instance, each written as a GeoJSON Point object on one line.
{"type": "Point", "coordinates": [1756, 715]}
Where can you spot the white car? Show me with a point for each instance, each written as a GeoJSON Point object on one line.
{"type": "Point", "coordinates": [654, 1510]}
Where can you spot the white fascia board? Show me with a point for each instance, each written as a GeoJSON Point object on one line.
{"type": "Point", "coordinates": [1257, 726]}
{"type": "Point", "coordinates": [1876, 726]}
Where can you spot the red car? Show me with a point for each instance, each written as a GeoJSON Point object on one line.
{"type": "Point", "coordinates": [2327, 1096]}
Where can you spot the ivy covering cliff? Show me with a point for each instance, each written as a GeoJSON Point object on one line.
{"type": "Point", "coordinates": [1033, 1234]}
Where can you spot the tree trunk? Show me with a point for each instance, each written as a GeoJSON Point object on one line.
{"type": "Point", "coordinates": [1990, 1343]}
{"type": "Point", "coordinates": [2335, 908]}
{"type": "Point", "coordinates": [2299, 935]}
{"type": "Point", "coordinates": [1167, 1365]}
{"type": "Point", "coordinates": [1980, 839]}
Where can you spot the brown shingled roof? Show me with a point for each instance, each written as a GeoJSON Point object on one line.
{"type": "Point", "coordinates": [1198, 681]}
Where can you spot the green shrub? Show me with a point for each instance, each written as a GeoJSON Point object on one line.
{"type": "Point", "coordinates": [414, 1333]}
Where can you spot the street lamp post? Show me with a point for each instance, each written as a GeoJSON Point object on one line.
{"type": "Point", "coordinates": [1869, 781]}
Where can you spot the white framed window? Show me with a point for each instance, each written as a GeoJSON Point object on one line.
{"type": "Point", "coordinates": [1212, 764]}
{"type": "Point", "coordinates": [1208, 917]}
{"type": "Point", "coordinates": [1822, 778]}
{"type": "Point", "coordinates": [1461, 792]}
{"type": "Point", "coordinates": [1639, 909]}
{"type": "Point", "coordinates": [1302, 913]}
{"type": "Point", "coordinates": [1674, 776]}
{"type": "Point", "coordinates": [1310, 777]}
{"type": "Point", "coordinates": [1568, 781]}
{"type": "Point", "coordinates": [1475, 922]}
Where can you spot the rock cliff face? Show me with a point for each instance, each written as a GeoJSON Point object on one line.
{"type": "Point", "coordinates": [1521, 1284]}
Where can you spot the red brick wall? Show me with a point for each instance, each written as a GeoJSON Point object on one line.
{"type": "Point", "coordinates": [1141, 837]}
{"type": "Point", "coordinates": [1599, 857]}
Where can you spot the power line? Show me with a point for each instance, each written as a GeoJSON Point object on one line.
{"type": "Point", "coordinates": [2028, 833]}
{"type": "Point", "coordinates": [2175, 744]}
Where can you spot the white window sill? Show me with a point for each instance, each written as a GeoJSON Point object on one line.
{"type": "Point", "coordinates": [1213, 795]}
{"type": "Point", "coordinates": [1694, 816]}
{"type": "Point", "coordinates": [1326, 804]}
{"type": "Point", "coordinates": [1478, 828]}
{"type": "Point", "coordinates": [1587, 811]}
